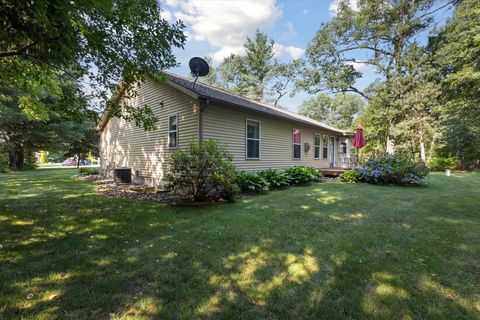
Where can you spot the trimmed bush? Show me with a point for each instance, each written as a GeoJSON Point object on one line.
{"type": "Point", "coordinates": [250, 182]}
{"type": "Point", "coordinates": [275, 178]}
{"type": "Point", "coordinates": [349, 176]}
{"type": "Point", "coordinates": [392, 169]}
{"type": "Point", "coordinates": [302, 175]}
{"type": "Point", "coordinates": [88, 171]}
{"type": "Point", "coordinates": [203, 171]}
{"type": "Point", "coordinates": [441, 163]}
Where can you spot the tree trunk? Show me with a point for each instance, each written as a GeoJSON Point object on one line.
{"type": "Point", "coordinates": [390, 145]}
{"type": "Point", "coordinates": [17, 157]}
{"type": "Point", "coordinates": [422, 146]}
{"type": "Point", "coordinates": [78, 161]}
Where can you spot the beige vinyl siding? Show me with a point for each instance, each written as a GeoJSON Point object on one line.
{"type": "Point", "coordinates": [227, 125]}
{"type": "Point", "coordinates": [146, 152]}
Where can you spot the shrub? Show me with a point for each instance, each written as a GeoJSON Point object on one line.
{"type": "Point", "coordinates": [202, 171]}
{"type": "Point", "coordinates": [441, 163]}
{"type": "Point", "coordinates": [275, 178]}
{"type": "Point", "coordinates": [392, 169]}
{"type": "Point", "coordinates": [302, 175]}
{"type": "Point", "coordinates": [88, 171]}
{"type": "Point", "coordinates": [4, 169]}
{"type": "Point", "coordinates": [250, 182]}
{"type": "Point", "coordinates": [349, 176]}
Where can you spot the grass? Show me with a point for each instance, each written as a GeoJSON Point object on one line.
{"type": "Point", "coordinates": [330, 250]}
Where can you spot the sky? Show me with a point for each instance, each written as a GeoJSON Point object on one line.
{"type": "Point", "coordinates": [218, 28]}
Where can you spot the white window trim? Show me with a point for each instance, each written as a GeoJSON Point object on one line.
{"type": "Point", "coordinates": [328, 148]}
{"type": "Point", "coordinates": [294, 144]}
{"type": "Point", "coordinates": [319, 146]}
{"type": "Point", "coordinates": [170, 131]}
{"type": "Point", "coordinates": [247, 138]}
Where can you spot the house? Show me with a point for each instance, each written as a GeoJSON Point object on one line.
{"type": "Point", "coordinates": [258, 136]}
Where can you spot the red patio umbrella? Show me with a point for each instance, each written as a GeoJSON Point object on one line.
{"type": "Point", "coordinates": [359, 140]}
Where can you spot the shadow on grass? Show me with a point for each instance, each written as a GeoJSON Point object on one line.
{"type": "Point", "coordinates": [321, 251]}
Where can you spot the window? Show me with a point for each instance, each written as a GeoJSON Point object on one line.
{"type": "Point", "coordinates": [343, 146]}
{"type": "Point", "coordinates": [316, 142]}
{"type": "Point", "coordinates": [297, 144]}
{"type": "Point", "coordinates": [173, 131]}
{"type": "Point", "coordinates": [325, 147]}
{"type": "Point", "coordinates": [253, 139]}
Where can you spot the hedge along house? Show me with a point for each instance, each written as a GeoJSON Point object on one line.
{"type": "Point", "coordinates": [257, 135]}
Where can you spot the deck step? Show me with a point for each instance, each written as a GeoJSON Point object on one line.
{"type": "Point", "coordinates": [332, 172]}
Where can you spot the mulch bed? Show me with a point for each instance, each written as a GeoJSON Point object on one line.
{"type": "Point", "coordinates": [139, 192]}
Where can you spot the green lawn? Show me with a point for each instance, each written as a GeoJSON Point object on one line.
{"type": "Point", "coordinates": [327, 250]}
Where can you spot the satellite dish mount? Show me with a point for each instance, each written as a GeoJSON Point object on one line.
{"type": "Point", "coordinates": [198, 68]}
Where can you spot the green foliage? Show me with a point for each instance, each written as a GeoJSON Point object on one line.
{"type": "Point", "coordinates": [88, 171]}
{"type": "Point", "coordinates": [457, 50]}
{"type": "Point", "coordinates": [43, 157]}
{"type": "Point", "coordinates": [441, 163]}
{"type": "Point", "coordinates": [349, 176]}
{"type": "Point", "coordinates": [302, 175]}
{"type": "Point", "coordinates": [43, 42]}
{"type": "Point", "coordinates": [86, 143]}
{"type": "Point", "coordinates": [392, 169]}
{"type": "Point", "coordinates": [250, 182]}
{"type": "Point", "coordinates": [202, 171]}
{"type": "Point", "coordinates": [339, 111]}
{"type": "Point", "coordinates": [379, 32]}
{"type": "Point", "coordinates": [24, 136]}
{"type": "Point", "coordinates": [275, 178]}
{"type": "Point", "coordinates": [257, 74]}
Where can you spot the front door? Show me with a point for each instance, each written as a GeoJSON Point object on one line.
{"type": "Point", "coordinates": [332, 152]}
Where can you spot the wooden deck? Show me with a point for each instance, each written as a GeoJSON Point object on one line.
{"type": "Point", "coordinates": [332, 172]}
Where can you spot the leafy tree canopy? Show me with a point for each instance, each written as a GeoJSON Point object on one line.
{"type": "Point", "coordinates": [101, 43]}
{"type": "Point", "coordinates": [380, 31]}
{"type": "Point", "coordinates": [339, 111]}
{"type": "Point", "coordinates": [257, 74]}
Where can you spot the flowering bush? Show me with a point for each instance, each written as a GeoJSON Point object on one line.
{"type": "Point", "coordinates": [392, 169]}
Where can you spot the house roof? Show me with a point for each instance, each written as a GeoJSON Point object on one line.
{"type": "Point", "coordinates": [217, 95]}
{"type": "Point", "coordinates": [223, 97]}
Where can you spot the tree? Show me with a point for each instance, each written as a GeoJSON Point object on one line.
{"type": "Point", "coordinates": [23, 136]}
{"type": "Point", "coordinates": [247, 74]}
{"type": "Point", "coordinates": [281, 77]}
{"type": "Point", "coordinates": [381, 32]}
{"type": "Point", "coordinates": [339, 111]}
{"type": "Point", "coordinates": [457, 55]}
{"type": "Point", "coordinates": [415, 111]}
{"type": "Point", "coordinates": [257, 74]}
{"type": "Point", "coordinates": [112, 44]}
{"type": "Point", "coordinates": [85, 143]}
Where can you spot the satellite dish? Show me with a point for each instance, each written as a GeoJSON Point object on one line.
{"type": "Point", "coordinates": [198, 68]}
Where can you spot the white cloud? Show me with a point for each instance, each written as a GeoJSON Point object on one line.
{"type": "Point", "coordinates": [167, 15]}
{"type": "Point", "coordinates": [359, 66]}
{"type": "Point", "coordinates": [218, 55]}
{"type": "Point", "coordinates": [225, 24]}
{"type": "Point", "coordinates": [290, 30]}
{"type": "Point", "coordinates": [305, 11]}
{"type": "Point", "coordinates": [293, 52]}
{"type": "Point", "coordinates": [333, 8]}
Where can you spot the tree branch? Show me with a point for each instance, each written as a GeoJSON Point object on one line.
{"type": "Point", "coordinates": [24, 49]}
